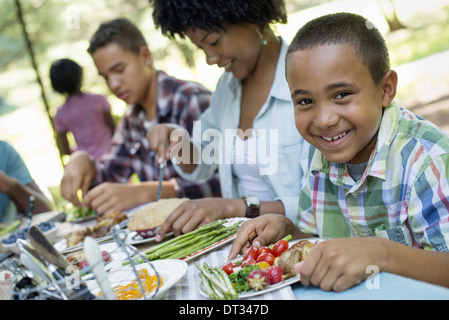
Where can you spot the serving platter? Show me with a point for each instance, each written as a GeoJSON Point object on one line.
{"type": "Point", "coordinates": [287, 282]}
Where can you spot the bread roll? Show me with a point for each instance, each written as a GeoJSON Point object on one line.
{"type": "Point", "coordinates": [153, 214]}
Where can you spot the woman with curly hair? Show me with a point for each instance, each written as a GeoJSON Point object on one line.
{"type": "Point", "coordinates": [251, 100]}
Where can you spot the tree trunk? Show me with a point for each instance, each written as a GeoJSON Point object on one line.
{"type": "Point", "coordinates": [36, 70]}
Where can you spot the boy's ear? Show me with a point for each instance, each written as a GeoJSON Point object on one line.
{"type": "Point", "coordinates": [389, 84]}
{"type": "Point", "coordinates": [146, 54]}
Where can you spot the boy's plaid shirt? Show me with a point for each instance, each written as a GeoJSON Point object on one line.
{"type": "Point", "coordinates": [403, 194]}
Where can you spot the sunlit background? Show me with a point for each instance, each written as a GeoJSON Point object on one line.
{"type": "Point", "coordinates": [417, 34]}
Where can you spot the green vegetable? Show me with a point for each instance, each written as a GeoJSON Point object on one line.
{"type": "Point", "coordinates": [11, 227]}
{"type": "Point", "coordinates": [216, 283]}
{"type": "Point", "coordinates": [184, 245]}
{"type": "Point", "coordinates": [75, 213]}
{"type": "Point", "coordinates": [240, 278]}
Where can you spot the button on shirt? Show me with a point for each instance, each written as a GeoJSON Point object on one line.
{"type": "Point", "coordinates": [403, 194]}
{"type": "Point", "coordinates": [179, 102]}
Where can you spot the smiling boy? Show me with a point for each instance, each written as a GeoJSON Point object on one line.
{"type": "Point", "coordinates": [378, 174]}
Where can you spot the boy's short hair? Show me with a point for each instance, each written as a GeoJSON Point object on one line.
{"type": "Point", "coordinates": [66, 76]}
{"type": "Point", "coordinates": [349, 28]}
{"type": "Point", "coordinates": [120, 31]}
{"type": "Point", "coordinates": [176, 16]}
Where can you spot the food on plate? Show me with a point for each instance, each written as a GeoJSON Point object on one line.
{"type": "Point", "coordinates": [189, 243]}
{"type": "Point", "coordinates": [153, 214]}
{"type": "Point", "coordinates": [78, 259]}
{"type": "Point", "coordinates": [296, 253]}
{"type": "Point", "coordinates": [258, 280]}
{"type": "Point", "coordinates": [279, 247]}
{"type": "Point", "coordinates": [216, 282]}
{"type": "Point", "coordinates": [275, 273]}
{"type": "Point", "coordinates": [101, 229]}
{"type": "Point", "coordinates": [257, 270]}
{"type": "Point", "coordinates": [78, 214]}
{"type": "Point", "coordinates": [132, 290]}
{"type": "Point", "coordinates": [11, 226]}
{"type": "Point", "coordinates": [23, 233]}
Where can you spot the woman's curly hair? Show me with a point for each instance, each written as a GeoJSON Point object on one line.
{"type": "Point", "coordinates": [174, 17]}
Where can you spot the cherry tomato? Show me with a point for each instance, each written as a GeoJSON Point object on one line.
{"type": "Point", "coordinates": [106, 256]}
{"type": "Point", "coordinates": [267, 257]}
{"type": "Point", "coordinates": [248, 261]}
{"type": "Point", "coordinates": [265, 250]}
{"type": "Point", "coordinates": [83, 264]}
{"type": "Point", "coordinates": [275, 273]}
{"type": "Point", "coordinates": [252, 252]}
{"type": "Point", "coordinates": [229, 268]}
{"type": "Point", "coordinates": [280, 247]}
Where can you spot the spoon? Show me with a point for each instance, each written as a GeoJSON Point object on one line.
{"type": "Point", "coordinates": [96, 263]}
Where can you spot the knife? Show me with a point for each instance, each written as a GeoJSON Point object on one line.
{"type": "Point", "coordinates": [162, 167]}
{"type": "Point", "coordinates": [30, 210]}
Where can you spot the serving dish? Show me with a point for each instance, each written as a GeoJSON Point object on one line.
{"type": "Point", "coordinates": [50, 234]}
{"type": "Point", "coordinates": [170, 270]}
{"type": "Point", "coordinates": [287, 282]}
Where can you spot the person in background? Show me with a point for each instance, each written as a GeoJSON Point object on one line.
{"type": "Point", "coordinates": [123, 58]}
{"type": "Point", "coordinates": [378, 179]}
{"type": "Point", "coordinates": [17, 185]}
{"type": "Point", "coordinates": [86, 115]}
{"type": "Point", "coordinates": [263, 157]}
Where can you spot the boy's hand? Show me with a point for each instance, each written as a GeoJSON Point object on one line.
{"type": "Point", "coordinates": [262, 231]}
{"type": "Point", "coordinates": [339, 264]}
{"type": "Point", "coordinates": [78, 174]}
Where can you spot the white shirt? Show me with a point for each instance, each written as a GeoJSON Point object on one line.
{"type": "Point", "coordinates": [244, 167]}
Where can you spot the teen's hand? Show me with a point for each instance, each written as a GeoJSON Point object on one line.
{"type": "Point", "coordinates": [78, 174]}
{"type": "Point", "coordinates": [111, 197]}
{"type": "Point", "coordinates": [339, 264]}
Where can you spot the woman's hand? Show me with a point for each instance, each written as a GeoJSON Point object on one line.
{"type": "Point", "coordinates": [159, 138]}
{"type": "Point", "coordinates": [193, 214]}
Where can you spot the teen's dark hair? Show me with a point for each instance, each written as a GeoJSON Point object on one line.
{"type": "Point", "coordinates": [349, 28]}
{"type": "Point", "coordinates": [174, 17]}
{"type": "Point", "coordinates": [120, 31]}
{"type": "Point", "coordinates": [66, 76]}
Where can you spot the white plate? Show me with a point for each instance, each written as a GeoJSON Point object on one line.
{"type": "Point", "coordinates": [216, 245]}
{"type": "Point", "coordinates": [133, 238]}
{"type": "Point", "coordinates": [279, 285]}
{"type": "Point", "coordinates": [170, 270]}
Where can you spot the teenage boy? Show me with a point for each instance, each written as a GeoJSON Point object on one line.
{"type": "Point", "coordinates": [378, 174]}
{"type": "Point", "coordinates": [124, 60]}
